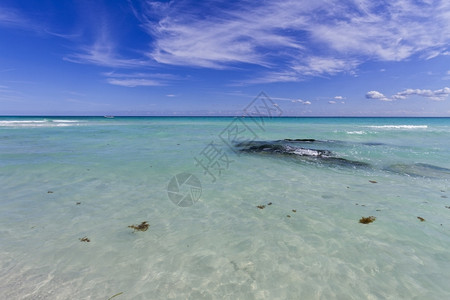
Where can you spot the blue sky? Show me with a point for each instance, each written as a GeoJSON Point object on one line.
{"type": "Point", "coordinates": [313, 58]}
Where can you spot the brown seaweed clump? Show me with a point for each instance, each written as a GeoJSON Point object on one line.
{"type": "Point", "coordinates": [372, 181]}
{"type": "Point", "coordinates": [421, 219]}
{"type": "Point", "coordinates": [261, 206]}
{"type": "Point", "coordinates": [85, 239]}
{"type": "Point", "coordinates": [367, 220]}
{"type": "Point", "coordinates": [141, 227]}
{"type": "Point", "coordinates": [294, 210]}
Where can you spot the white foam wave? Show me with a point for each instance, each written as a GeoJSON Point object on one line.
{"type": "Point", "coordinates": [399, 126]}
{"type": "Point", "coordinates": [21, 122]}
{"type": "Point", "coordinates": [38, 123]}
{"type": "Point", "coordinates": [306, 152]}
{"type": "Point", "coordinates": [66, 121]}
{"type": "Point", "coordinates": [356, 132]}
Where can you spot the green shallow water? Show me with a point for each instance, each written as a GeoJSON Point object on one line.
{"type": "Point", "coordinates": [223, 246]}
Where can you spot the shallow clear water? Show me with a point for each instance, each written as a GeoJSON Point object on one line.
{"type": "Point", "coordinates": [223, 246]}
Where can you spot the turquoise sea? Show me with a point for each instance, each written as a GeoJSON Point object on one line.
{"type": "Point", "coordinates": [198, 182]}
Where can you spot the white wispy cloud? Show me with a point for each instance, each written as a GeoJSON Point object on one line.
{"type": "Point", "coordinates": [436, 95]}
{"type": "Point", "coordinates": [13, 18]}
{"type": "Point", "coordinates": [10, 17]}
{"type": "Point", "coordinates": [332, 102]}
{"type": "Point", "coordinates": [138, 79]}
{"type": "Point", "coordinates": [7, 94]}
{"type": "Point", "coordinates": [339, 97]}
{"type": "Point", "coordinates": [286, 40]}
{"type": "Point", "coordinates": [294, 39]}
{"type": "Point", "coordinates": [103, 51]}
{"type": "Point", "coordinates": [133, 82]}
{"type": "Point", "coordinates": [102, 57]}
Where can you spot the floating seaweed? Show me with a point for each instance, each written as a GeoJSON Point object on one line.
{"type": "Point", "coordinates": [141, 227]}
{"type": "Point", "coordinates": [78, 203]}
{"type": "Point", "coordinates": [367, 220]}
{"type": "Point", "coordinates": [118, 294]}
{"type": "Point", "coordinates": [288, 216]}
{"type": "Point", "coordinates": [270, 203]}
{"type": "Point", "coordinates": [421, 219]}
{"type": "Point", "coordinates": [50, 192]}
{"type": "Point", "coordinates": [373, 181]}
{"type": "Point", "coordinates": [294, 210]}
{"type": "Point", "coordinates": [84, 239]}
{"type": "Point", "coordinates": [447, 207]}
{"type": "Point", "coordinates": [261, 206]}
{"type": "Point", "coordinates": [443, 196]}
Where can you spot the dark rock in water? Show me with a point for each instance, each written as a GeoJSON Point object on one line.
{"type": "Point", "coordinates": [299, 140]}
{"type": "Point", "coordinates": [283, 148]}
{"type": "Point", "coordinates": [373, 144]}
{"type": "Point", "coordinates": [339, 161]}
{"type": "Point", "coordinates": [420, 170]}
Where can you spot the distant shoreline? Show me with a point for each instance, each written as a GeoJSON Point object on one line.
{"type": "Point", "coordinates": [209, 116]}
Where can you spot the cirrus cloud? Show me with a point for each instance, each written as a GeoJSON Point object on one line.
{"type": "Point", "coordinates": [294, 39]}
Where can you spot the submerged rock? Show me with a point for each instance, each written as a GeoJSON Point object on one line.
{"type": "Point", "coordinates": [287, 149]}
{"type": "Point", "coordinates": [299, 140]}
{"type": "Point", "coordinates": [420, 170]}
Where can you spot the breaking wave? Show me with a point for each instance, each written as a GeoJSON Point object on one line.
{"type": "Point", "coordinates": [399, 126]}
